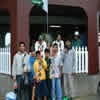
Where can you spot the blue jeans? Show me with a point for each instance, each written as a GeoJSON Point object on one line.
{"type": "Point", "coordinates": [56, 87]}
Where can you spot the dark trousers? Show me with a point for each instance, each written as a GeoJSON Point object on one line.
{"type": "Point", "coordinates": [19, 78]}
{"type": "Point", "coordinates": [26, 93]}
{"type": "Point", "coordinates": [48, 81]}
{"type": "Point", "coordinates": [23, 92]}
{"type": "Point", "coordinates": [49, 86]}
{"type": "Point", "coordinates": [30, 90]}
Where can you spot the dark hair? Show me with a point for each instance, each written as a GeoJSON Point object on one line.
{"type": "Point", "coordinates": [59, 33]}
{"type": "Point", "coordinates": [68, 40]}
{"type": "Point", "coordinates": [33, 50]}
{"type": "Point", "coordinates": [21, 43]}
{"type": "Point", "coordinates": [55, 44]}
{"type": "Point", "coordinates": [47, 51]}
{"type": "Point", "coordinates": [37, 52]}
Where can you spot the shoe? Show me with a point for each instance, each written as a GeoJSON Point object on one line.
{"type": "Point", "coordinates": [70, 98]}
{"type": "Point", "coordinates": [65, 98]}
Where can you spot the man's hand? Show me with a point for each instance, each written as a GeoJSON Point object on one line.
{"type": "Point", "coordinates": [34, 77]}
{"type": "Point", "coordinates": [73, 73]}
{"type": "Point", "coordinates": [14, 78]}
{"type": "Point", "coordinates": [60, 75]}
{"type": "Point", "coordinates": [38, 79]}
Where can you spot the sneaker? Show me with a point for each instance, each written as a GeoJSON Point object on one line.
{"type": "Point", "coordinates": [65, 98]}
{"type": "Point", "coordinates": [70, 98]}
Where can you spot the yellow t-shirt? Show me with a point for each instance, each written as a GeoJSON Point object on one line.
{"type": "Point", "coordinates": [43, 69]}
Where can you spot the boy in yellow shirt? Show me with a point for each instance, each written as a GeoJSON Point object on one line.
{"type": "Point", "coordinates": [40, 67]}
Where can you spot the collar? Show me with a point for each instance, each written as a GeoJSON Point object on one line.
{"type": "Point", "coordinates": [21, 53]}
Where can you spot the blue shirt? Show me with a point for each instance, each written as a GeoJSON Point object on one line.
{"type": "Point", "coordinates": [32, 73]}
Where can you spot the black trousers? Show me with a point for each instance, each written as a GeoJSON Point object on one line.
{"type": "Point", "coordinates": [23, 92]}
{"type": "Point", "coordinates": [30, 90]}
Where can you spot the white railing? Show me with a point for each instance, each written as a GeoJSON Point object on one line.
{"type": "Point", "coordinates": [5, 61]}
{"type": "Point", "coordinates": [81, 57]}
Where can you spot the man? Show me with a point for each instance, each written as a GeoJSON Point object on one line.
{"type": "Point", "coordinates": [20, 65]}
{"type": "Point", "coordinates": [40, 67]}
{"type": "Point", "coordinates": [76, 42]}
{"type": "Point", "coordinates": [40, 45]}
{"type": "Point", "coordinates": [60, 43]}
{"type": "Point", "coordinates": [56, 64]}
{"type": "Point", "coordinates": [68, 69]}
{"type": "Point", "coordinates": [32, 73]}
{"type": "Point", "coordinates": [48, 80]}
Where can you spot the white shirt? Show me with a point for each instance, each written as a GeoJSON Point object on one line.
{"type": "Point", "coordinates": [41, 47]}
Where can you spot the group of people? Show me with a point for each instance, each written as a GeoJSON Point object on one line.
{"type": "Point", "coordinates": [47, 66]}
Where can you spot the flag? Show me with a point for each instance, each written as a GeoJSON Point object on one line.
{"type": "Point", "coordinates": [42, 3]}
{"type": "Point", "coordinates": [45, 5]}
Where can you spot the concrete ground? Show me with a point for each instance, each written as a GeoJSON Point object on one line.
{"type": "Point", "coordinates": [84, 86]}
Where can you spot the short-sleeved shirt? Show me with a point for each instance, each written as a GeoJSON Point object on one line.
{"type": "Point", "coordinates": [56, 64]}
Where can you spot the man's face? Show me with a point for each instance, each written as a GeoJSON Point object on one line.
{"type": "Point", "coordinates": [68, 43]}
{"type": "Point", "coordinates": [55, 48]}
{"type": "Point", "coordinates": [46, 54]}
{"type": "Point", "coordinates": [38, 56]}
{"type": "Point", "coordinates": [59, 37]}
{"type": "Point", "coordinates": [22, 47]}
{"type": "Point", "coordinates": [40, 41]}
{"type": "Point", "coordinates": [75, 37]}
{"type": "Point", "coordinates": [33, 54]}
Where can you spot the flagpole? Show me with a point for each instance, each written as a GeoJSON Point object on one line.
{"type": "Point", "coordinates": [47, 18]}
{"type": "Point", "coordinates": [47, 23]}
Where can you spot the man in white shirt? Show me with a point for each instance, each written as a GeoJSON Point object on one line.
{"type": "Point", "coordinates": [40, 45]}
{"type": "Point", "coordinates": [60, 44]}
{"type": "Point", "coordinates": [20, 66]}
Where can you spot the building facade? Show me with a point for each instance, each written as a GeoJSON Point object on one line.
{"type": "Point", "coordinates": [19, 11]}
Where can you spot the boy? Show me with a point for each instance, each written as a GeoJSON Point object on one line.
{"type": "Point", "coordinates": [68, 69]}
{"type": "Point", "coordinates": [48, 80]}
{"type": "Point", "coordinates": [32, 73]}
{"type": "Point", "coordinates": [40, 67]}
{"type": "Point", "coordinates": [56, 64]}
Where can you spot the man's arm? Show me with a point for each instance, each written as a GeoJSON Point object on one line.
{"type": "Point", "coordinates": [74, 61]}
{"type": "Point", "coordinates": [36, 46]}
{"type": "Point", "coordinates": [61, 65]}
{"type": "Point", "coordinates": [62, 45]}
{"type": "Point", "coordinates": [60, 71]}
{"type": "Point", "coordinates": [27, 67]}
{"type": "Point", "coordinates": [45, 45]}
{"type": "Point", "coordinates": [14, 68]}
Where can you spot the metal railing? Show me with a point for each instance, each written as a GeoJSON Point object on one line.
{"type": "Point", "coordinates": [5, 61]}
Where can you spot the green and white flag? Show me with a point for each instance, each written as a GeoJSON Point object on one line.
{"type": "Point", "coordinates": [42, 3]}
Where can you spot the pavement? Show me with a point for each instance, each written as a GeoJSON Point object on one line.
{"type": "Point", "coordinates": [84, 86]}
